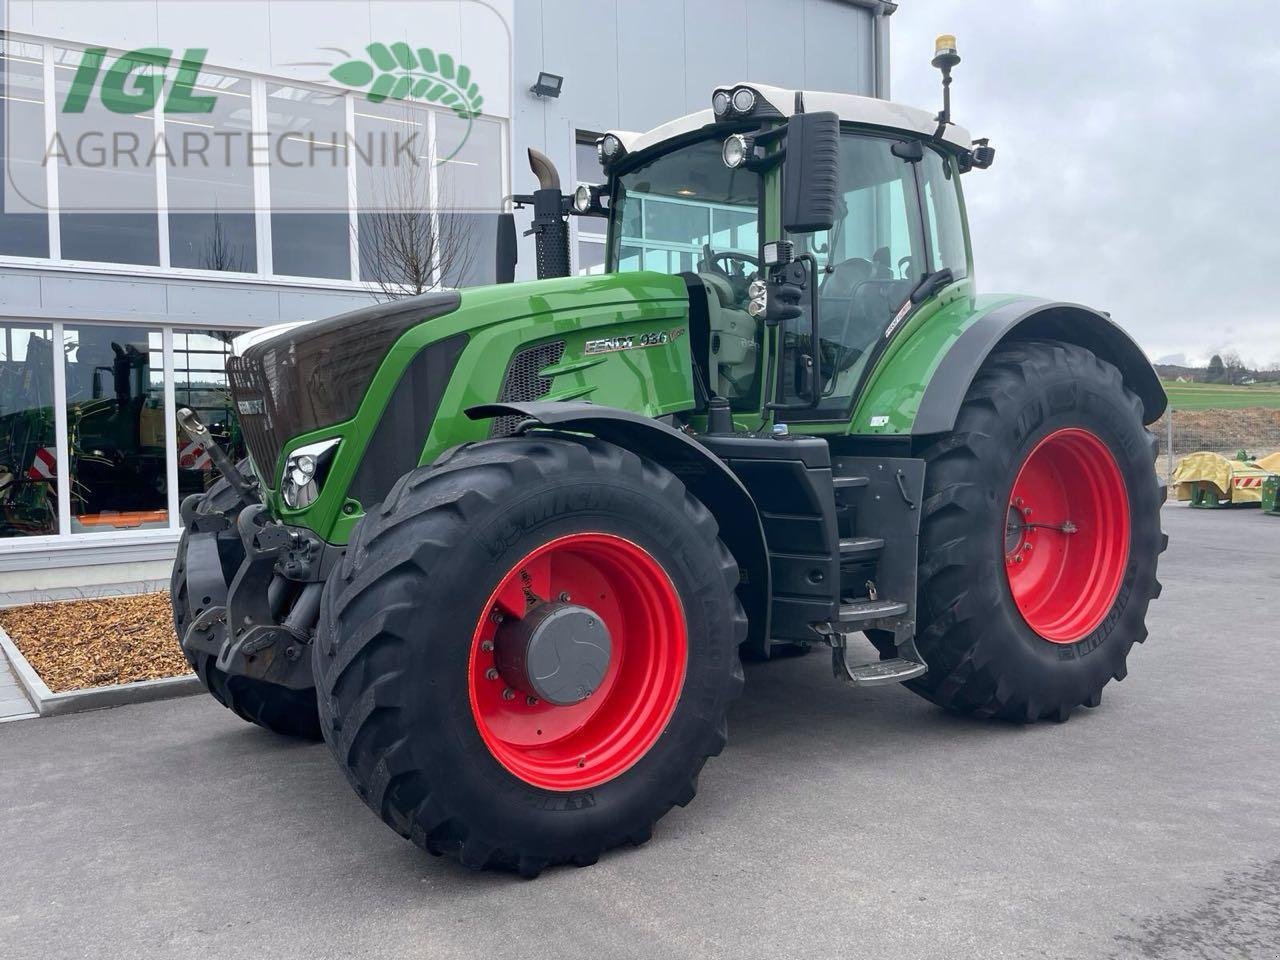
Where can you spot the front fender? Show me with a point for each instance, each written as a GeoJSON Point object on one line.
{"type": "Point", "coordinates": [704, 474]}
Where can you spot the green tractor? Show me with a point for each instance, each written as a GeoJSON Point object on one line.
{"type": "Point", "coordinates": [503, 548]}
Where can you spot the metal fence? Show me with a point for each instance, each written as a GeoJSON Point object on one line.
{"type": "Point", "coordinates": [1180, 432]}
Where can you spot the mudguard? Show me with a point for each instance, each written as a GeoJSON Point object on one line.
{"type": "Point", "coordinates": [1034, 319]}
{"type": "Point", "coordinates": [705, 475]}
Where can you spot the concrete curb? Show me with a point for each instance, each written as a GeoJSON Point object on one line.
{"type": "Point", "coordinates": [50, 704]}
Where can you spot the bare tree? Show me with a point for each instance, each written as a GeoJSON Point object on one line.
{"type": "Point", "coordinates": [1232, 366]}
{"type": "Point", "coordinates": [220, 252]}
{"type": "Point", "coordinates": [408, 243]}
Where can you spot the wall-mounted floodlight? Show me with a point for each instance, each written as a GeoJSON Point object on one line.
{"type": "Point", "coordinates": [548, 85]}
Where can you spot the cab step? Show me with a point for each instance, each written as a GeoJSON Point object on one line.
{"type": "Point", "coordinates": [860, 548]}
{"type": "Point", "coordinates": [883, 671]}
{"type": "Point", "coordinates": [860, 614]}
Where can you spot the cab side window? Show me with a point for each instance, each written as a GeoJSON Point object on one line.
{"type": "Point", "coordinates": [942, 211]}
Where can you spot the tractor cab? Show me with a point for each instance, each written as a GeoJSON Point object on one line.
{"type": "Point", "coordinates": [807, 225]}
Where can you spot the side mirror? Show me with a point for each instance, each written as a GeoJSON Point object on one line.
{"type": "Point", "coordinates": [506, 253]}
{"type": "Point", "coordinates": [811, 173]}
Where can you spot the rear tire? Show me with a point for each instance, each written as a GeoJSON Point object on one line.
{"type": "Point", "coordinates": [278, 709]}
{"type": "Point", "coordinates": [421, 722]}
{"type": "Point", "coordinates": [998, 644]}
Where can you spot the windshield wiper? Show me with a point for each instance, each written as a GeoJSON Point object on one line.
{"type": "Point", "coordinates": [930, 284]}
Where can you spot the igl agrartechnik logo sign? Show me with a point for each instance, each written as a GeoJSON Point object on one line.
{"type": "Point", "coordinates": [142, 81]}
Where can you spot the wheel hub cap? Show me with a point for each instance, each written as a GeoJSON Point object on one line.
{"type": "Point", "coordinates": [557, 652]}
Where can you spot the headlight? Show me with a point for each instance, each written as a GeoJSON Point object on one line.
{"type": "Point", "coordinates": [759, 302]}
{"type": "Point", "coordinates": [737, 148]}
{"type": "Point", "coordinates": [304, 473]}
{"type": "Point", "coordinates": [744, 100]}
{"type": "Point", "coordinates": [582, 198]}
{"type": "Point", "coordinates": [609, 147]}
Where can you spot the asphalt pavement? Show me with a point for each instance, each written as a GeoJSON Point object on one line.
{"type": "Point", "coordinates": [838, 822]}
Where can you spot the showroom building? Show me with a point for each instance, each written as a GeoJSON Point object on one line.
{"type": "Point", "coordinates": [137, 238]}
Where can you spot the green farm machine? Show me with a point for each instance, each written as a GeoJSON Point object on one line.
{"type": "Point", "coordinates": [503, 548]}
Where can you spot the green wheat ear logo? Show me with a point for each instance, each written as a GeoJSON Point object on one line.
{"type": "Point", "coordinates": [396, 72]}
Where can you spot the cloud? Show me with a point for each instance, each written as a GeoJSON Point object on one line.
{"type": "Point", "coordinates": [1136, 157]}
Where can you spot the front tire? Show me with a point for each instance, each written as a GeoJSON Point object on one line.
{"type": "Point", "coordinates": [1039, 539]}
{"type": "Point", "coordinates": [429, 716]}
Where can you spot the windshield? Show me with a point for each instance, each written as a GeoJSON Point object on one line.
{"type": "Point", "coordinates": [686, 212]}
{"type": "Point", "coordinates": [686, 208]}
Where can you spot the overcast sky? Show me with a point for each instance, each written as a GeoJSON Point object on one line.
{"type": "Point", "coordinates": [1137, 157]}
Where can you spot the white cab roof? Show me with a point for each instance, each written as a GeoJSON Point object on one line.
{"type": "Point", "coordinates": [850, 108]}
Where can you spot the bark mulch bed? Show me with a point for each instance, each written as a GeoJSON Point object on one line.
{"type": "Point", "coordinates": [94, 643]}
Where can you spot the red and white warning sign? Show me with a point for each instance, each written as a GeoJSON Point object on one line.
{"type": "Point", "coordinates": [193, 456]}
{"type": "Point", "coordinates": [1248, 482]}
{"type": "Point", "coordinates": [44, 466]}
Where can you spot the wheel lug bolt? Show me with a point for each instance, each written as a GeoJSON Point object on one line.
{"type": "Point", "coordinates": [497, 616]}
{"type": "Point", "coordinates": [531, 701]}
{"type": "Point", "coordinates": [508, 694]}
{"type": "Point", "coordinates": [564, 597]}
{"type": "Point", "coordinates": [1018, 558]}
{"type": "Point", "coordinates": [1026, 512]}
{"type": "Point", "coordinates": [491, 673]}
{"type": "Point", "coordinates": [487, 646]}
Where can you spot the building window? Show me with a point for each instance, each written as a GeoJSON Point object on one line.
{"type": "Point", "coordinates": [178, 190]}
{"type": "Point", "coordinates": [310, 224]}
{"type": "Point", "coordinates": [24, 232]}
{"type": "Point", "coordinates": [28, 454]}
{"type": "Point", "coordinates": [116, 428]}
{"type": "Point", "coordinates": [591, 230]}
{"type": "Point", "coordinates": [591, 255]}
{"type": "Point", "coordinates": [200, 382]}
{"type": "Point", "coordinates": [209, 180]}
{"type": "Point", "coordinates": [103, 170]}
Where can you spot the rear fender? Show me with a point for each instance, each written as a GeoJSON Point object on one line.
{"type": "Point", "coordinates": [705, 475]}
{"type": "Point", "coordinates": [1031, 319]}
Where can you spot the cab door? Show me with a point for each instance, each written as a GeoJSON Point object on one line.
{"type": "Point", "coordinates": [879, 250]}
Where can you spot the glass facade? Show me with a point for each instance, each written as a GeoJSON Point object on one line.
{"type": "Point", "coordinates": [205, 230]}
{"type": "Point", "coordinates": [116, 427]}
{"type": "Point", "coordinates": [122, 448]}
{"type": "Point", "coordinates": [217, 210]}
{"type": "Point", "coordinates": [21, 147]}
{"type": "Point", "coordinates": [200, 382]}
{"type": "Point", "coordinates": [28, 439]}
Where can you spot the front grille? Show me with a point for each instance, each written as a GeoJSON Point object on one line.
{"type": "Point", "coordinates": [253, 407]}
{"type": "Point", "coordinates": [524, 382]}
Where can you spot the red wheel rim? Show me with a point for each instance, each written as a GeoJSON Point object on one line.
{"type": "Point", "coordinates": [1067, 535]}
{"type": "Point", "coordinates": [587, 743]}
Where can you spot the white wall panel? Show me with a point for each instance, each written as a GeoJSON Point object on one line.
{"type": "Point", "coordinates": [651, 58]}
{"type": "Point", "coordinates": [234, 31]}
{"type": "Point", "coordinates": [486, 47]}
{"type": "Point", "coordinates": [127, 24]}
{"type": "Point", "coordinates": [715, 49]}
{"type": "Point", "coordinates": [776, 41]}
{"type": "Point", "coordinates": [838, 44]}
